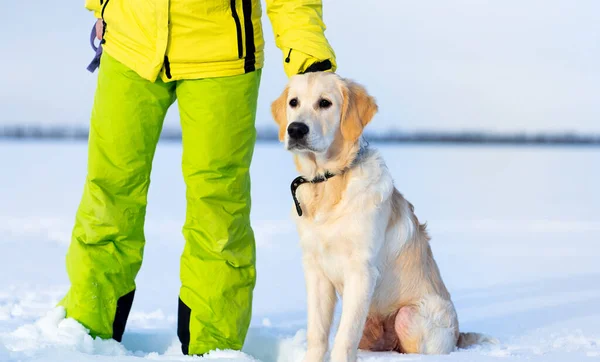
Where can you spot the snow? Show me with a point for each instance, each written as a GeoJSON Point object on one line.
{"type": "Point", "coordinates": [514, 230]}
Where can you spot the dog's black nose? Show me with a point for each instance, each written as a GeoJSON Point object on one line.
{"type": "Point", "coordinates": [297, 130]}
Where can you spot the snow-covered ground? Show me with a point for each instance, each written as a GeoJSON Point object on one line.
{"type": "Point", "coordinates": [515, 233]}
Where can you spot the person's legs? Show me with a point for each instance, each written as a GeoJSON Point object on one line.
{"type": "Point", "coordinates": [107, 244]}
{"type": "Point", "coordinates": [218, 263]}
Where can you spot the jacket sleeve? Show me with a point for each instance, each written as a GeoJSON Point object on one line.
{"type": "Point", "coordinates": [300, 34]}
{"type": "Point", "coordinates": [95, 6]}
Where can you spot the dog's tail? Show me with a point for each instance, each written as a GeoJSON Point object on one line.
{"type": "Point", "coordinates": [466, 340]}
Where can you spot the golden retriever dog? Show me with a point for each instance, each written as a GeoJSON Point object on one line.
{"type": "Point", "coordinates": [359, 235]}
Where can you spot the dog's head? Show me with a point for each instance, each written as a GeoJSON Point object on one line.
{"type": "Point", "coordinates": [317, 110]}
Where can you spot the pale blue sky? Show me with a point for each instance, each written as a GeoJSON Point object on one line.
{"type": "Point", "coordinates": [501, 65]}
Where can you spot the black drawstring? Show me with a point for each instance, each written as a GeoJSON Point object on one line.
{"type": "Point", "coordinates": [167, 67]}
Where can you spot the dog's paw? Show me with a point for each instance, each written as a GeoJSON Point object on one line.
{"type": "Point", "coordinates": [315, 355]}
{"type": "Point", "coordinates": [343, 355]}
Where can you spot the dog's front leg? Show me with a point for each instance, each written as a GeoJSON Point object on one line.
{"type": "Point", "coordinates": [321, 303]}
{"type": "Point", "coordinates": [359, 283]}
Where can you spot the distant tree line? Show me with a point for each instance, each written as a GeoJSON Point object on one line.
{"type": "Point", "coordinates": [270, 134]}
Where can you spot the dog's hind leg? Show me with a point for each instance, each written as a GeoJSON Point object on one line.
{"type": "Point", "coordinates": [380, 335]}
{"type": "Point", "coordinates": [430, 326]}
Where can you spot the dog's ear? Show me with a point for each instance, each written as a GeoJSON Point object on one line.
{"type": "Point", "coordinates": [357, 110]}
{"type": "Point", "coordinates": [279, 112]}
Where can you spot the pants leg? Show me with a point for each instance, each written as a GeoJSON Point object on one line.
{"type": "Point", "coordinates": [218, 262]}
{"type": "Point", "coordinates": [107, 243]}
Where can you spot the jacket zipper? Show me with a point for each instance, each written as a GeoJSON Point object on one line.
{"type": "Point", "coordinates": [238, 29]}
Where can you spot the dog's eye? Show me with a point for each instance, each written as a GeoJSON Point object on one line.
{"type": "Point", "coordinates": [324, 103]}
{"type": "Point", "coordinates": [294, 102]}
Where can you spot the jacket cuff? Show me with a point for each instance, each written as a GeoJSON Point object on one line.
{"type": "Point", "coordinates": [321, 66]}
{"type": "Point", "coordinates": [297, 62]}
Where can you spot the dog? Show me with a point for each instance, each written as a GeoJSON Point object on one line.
{"type": "Point", "coordinates": [360, 237]}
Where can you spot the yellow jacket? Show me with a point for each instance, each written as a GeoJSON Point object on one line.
{"type": "Point", "coordinates": [191, 39]}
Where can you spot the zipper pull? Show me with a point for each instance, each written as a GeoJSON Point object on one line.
{"type": "Point", "coordinates": [287, 60]}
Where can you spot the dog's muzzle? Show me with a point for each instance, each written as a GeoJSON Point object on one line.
{"type": "Point", "coordinates": [297, 133]}
{"type": "Point", "coordinates": [297, 130]}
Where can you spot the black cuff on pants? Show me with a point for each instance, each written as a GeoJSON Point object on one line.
{"type": "Point", "coordinates": [183, 326]}
{"type": "Point", "coordinates": [123, 308]}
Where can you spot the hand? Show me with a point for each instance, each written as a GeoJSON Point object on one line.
{"type": "Point", "coordinates": [321, 66]}
{"type": "Point", "coordinates": [99, 28]}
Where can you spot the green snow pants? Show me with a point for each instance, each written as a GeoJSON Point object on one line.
{"type": "Point", "coordinates": [218, 262]}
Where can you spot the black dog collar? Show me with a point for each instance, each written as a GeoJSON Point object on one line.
{"type": "Point", "coordinates": [301, 180]}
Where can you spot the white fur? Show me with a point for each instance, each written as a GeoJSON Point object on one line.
{"type": "Point", "coordinates": [356, 247]}
{"type": "Point", "coordinates": [353, 272]}
{"type": "Point", "coordinates": [308, 112]}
